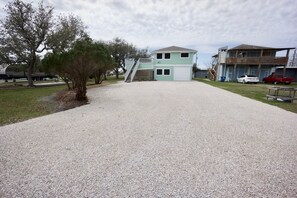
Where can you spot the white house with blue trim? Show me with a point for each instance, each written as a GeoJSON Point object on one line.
{"type": "Point", "coordinates": [167, 64]}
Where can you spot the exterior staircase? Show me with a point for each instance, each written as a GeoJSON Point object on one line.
{"type": "Point", "coordinates": [132, 71]}
{"type": "Point", "coordinates": [212, 74]}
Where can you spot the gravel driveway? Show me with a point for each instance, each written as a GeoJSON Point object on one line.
{"type": "Point", "coordinates": [153, 139]}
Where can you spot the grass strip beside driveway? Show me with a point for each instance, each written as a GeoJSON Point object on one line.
{"type": "Point", "coordinates": [253, 91]}
{"type": "Point", "coordinates": [19, 102]}
{"type": "Point", "coordinates": [22, 103]}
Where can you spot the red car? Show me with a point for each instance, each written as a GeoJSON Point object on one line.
{"type": "Point", "coordinates": [277, 79]}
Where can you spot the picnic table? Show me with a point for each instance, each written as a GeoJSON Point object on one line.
{"type": "Point", "coordinates": [287, 94]}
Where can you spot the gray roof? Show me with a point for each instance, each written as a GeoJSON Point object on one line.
{"type": "Point", "coordinates": [174, 49]}
{"type": "Point", "coordinates": [255, 47]}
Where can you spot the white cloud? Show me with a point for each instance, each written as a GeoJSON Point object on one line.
{"type": "Point", "coordinates": [204, 25]}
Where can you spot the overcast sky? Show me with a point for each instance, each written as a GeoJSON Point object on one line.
{"type": "Point", "coordinates": [204, 25]}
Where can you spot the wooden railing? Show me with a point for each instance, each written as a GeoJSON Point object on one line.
{"type": "Point", "coordinates": [258, 60]}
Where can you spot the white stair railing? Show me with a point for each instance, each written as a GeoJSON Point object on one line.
{"type": "Point", "coordinates": [135, 67]}
{"type": "Point", "coordinates": [129, 64]}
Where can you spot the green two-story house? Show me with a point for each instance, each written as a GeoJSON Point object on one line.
{"type": "Point", "coordinates": [167, 64]}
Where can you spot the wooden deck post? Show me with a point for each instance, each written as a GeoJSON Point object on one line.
{"type": "Point", "coordinates": [234, 72]}
{"type": "Point", "coordinates": [260, 64]}
{"type": "Point", "coordinates": [235, 66]}
{"type": "Point", "coordinates": [259, 70]}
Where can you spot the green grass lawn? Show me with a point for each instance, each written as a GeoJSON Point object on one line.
{"type": "Point", "coordinates": [18, 103]}
{"type": "Point", "coordinates": [253, 91]}
{"type": "Point", "coordinates": [23, 103]}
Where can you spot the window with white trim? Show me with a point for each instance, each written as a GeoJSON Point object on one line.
{"type": "Point", "coordinates": [167, 55]}
{"type": "Point", "coordinates": [167, 72]}
{"type": "Point", "coordinates": [159, 55]}
{"type": "Point", "coordinates": [184, 55]}
{"type": "Point", "coordinates": [159, 72]}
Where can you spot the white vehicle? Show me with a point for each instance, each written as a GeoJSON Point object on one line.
{"type": "Point", "coordinates": [248, 79]}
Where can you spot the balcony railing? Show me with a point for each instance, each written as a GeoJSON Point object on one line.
{"type": "Point", "coordinates": [145, 60]}
{"type": "Point", "coordinates": [258, 60]}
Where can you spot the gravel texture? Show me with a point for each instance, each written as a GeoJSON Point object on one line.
{"type": "Point", "coordinates": [153, 139]}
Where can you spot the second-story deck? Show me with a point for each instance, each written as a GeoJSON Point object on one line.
{"type": "Point", "coordinates": [258, 60]}
{"type": "Point", "coordinates": [145, 63]}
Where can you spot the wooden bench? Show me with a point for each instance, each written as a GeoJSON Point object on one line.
{"type": "Point", "coordinates": [282, 94]}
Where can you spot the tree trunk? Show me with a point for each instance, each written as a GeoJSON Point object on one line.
{"type": "Point", "coordinates": [30, 70]}
{"type": "Point", "coordinates": [117, 73]}
{"type": "Point", "coordinates": [29, 75]}
{"type": "Point", "coordinates": [101, 78]}
{"type": "Point", "coordinates": [74, 83]}
{"type": "Point", "coordinates": [67, 82]}
{"type": "Point", "coordinates": [124, 66]}
{"type": "Point", "coordinates": [81, 92]}
{"type": "Point", "coordinates": [97, 79]}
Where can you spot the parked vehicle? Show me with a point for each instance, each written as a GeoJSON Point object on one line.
{"type": "Point", "coordinates": [248, 79]}
{"type": "Point", "coordinates": [277, 79]}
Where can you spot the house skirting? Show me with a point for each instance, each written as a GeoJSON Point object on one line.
{"type": "Point", "coordinates": [144, 75]}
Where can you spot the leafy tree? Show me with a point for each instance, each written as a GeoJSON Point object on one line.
{"type": "Point", "coordinates": [66, 31]}
{"type": "Point", "coordinates": [195, 68]}
{"type": "Point", "coordinates": [52, 64]}
{"type": "Point", "coordinates": [105, 63]}
{"type": "Point", "coordinates": [78, 63]}
{"type": "Point", "coordinates": [23, 34]}
{"type": "Point", "coordinates": [120, 49]}
{"type": "Point", "coordinates": [61, 38]}
{"type": "Point", "coordinates": [141, 53]}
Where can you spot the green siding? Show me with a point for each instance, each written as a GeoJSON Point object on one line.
{"type": "Point", "coordinates": [175, 59]}
{"type": "Point", "coordinates": [164, 77]}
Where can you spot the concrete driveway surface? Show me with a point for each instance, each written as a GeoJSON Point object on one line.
{"type": "Point", "coordinates": [153, 139]}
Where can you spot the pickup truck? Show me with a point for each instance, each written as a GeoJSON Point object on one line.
{"type": "Point", "coordinates": [277, 79]}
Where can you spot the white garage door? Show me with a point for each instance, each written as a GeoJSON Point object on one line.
{"type": "Point", "coordinates": [182, 73]}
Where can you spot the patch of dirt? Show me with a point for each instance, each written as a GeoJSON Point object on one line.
{"type": "Point", "coordinates": [61, 101]}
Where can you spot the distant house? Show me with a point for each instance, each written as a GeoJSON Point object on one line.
{"type": "Point", "coordinates": [166, 64]}
{"type": "Point", "coordinates": [201, 73]}
{"type": "Point", "coordinates": [248, 59]}
{"type": "Point", "coordinates": [290, 72]}
{"type": "Point", "coordinates": [290, 69]}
